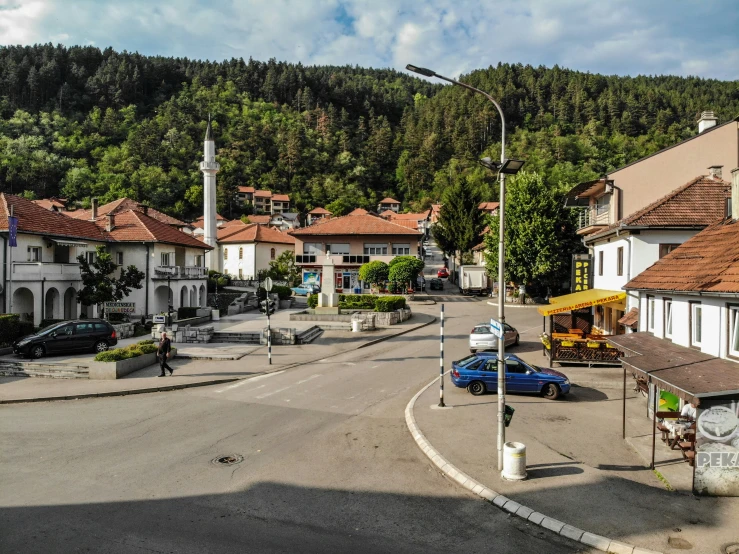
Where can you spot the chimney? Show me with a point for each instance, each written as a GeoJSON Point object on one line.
{"type": "Point", "coordinates": [715, 171]}
{"type": "Point", "coordinates": [146, 209]}
{"type": "Point", "coordinates": [94, 209]}
{"type": "Point", "coordinates": [110, 225]}
{"type": "Point", "coordinates": [735, 193]}
{"type": "Point", "coordinates": [706, 121]}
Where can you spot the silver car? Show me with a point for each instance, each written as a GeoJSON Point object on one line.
{"type": "Point", "coordinates": [482, 337]}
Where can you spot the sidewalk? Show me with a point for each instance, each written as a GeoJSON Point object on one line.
{"type": "Point", "coordinates": [195, 371]}
{"type": "Point", "coordinates": [580, 470]}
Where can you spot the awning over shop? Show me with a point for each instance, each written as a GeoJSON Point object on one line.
{"type": "Point", "coordinates": [578, 300]}
{"type": "Point", "coordinates": [631, 318]}
{"type": "Point", "coordinates": [65, 242]}
{"type": "Point", "coordinates": [682, 371]}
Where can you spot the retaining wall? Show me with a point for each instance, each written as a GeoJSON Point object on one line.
{"type": "Point", "coordinates": [116, 370]}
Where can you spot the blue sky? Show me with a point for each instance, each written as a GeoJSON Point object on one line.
{"type": "Point", "coordinates": [624, 37]}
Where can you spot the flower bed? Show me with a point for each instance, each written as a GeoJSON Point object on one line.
{"type": "Point", "coordinates": [118, 362]}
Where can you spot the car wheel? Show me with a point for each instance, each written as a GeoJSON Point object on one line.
{"type": "Point", "coordinates": [38, 351]}
{"type": "Point", "coordinates": [550, 391]}
{"type": "Point", "coordinates": [476, 388]}
{"type": "Point", "coordinates": [101, 346]}
{"type": "Point", "coordinates": [517, 339]}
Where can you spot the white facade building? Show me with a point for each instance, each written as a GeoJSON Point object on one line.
{"type": "Point", "coordinates": [245, 250]}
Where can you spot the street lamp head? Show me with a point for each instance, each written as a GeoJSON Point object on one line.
{"type": "Point", "coordinates": [489, 163]}
{"type": "Point", "coordinates": [511, 167]}
{"type": "Point", "coordinates": [421, 70]}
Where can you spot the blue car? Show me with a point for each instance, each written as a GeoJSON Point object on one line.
{"type": "Point", "coordinates": [478, 373]}
{"type": "Point", "coordinates": [305, 289]}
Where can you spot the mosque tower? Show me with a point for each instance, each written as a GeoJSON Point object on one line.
{"type": "Point", "coordinates": [209, 166]}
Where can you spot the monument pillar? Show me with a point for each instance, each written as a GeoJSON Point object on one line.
{"type": "Point", "coordinates": [328, 300]}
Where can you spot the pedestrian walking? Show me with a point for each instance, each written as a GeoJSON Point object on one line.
{"type": "Point", "coordinates": [163, 352]}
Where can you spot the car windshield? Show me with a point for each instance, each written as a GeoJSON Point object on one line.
{"type": "Point", "coordinates": [47, 330]}
{"type": "Point", "coordinates": [464, 361]}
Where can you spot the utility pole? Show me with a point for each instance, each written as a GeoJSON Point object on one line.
{"type": "Point", "coordinates": [441, 360]}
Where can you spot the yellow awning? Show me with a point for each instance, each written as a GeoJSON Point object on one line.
{"type": "Point", "coordinates": [583, 299]}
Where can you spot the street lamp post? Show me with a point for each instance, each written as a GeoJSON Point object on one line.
{"type": "Point", "coordinates": [506, 167]}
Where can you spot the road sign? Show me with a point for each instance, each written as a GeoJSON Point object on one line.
{"type": "Point", "coordinates": [268, 284]}
{"type": "Point", "coordinates": [496, 328]}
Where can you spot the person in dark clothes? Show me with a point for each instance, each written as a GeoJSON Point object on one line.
{"type": "Point", "coordinates": [164, 351]}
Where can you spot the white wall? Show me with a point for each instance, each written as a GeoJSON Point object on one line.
{"type": "Point", "coordinates": [233, 263]}
{"type": "Point", "coordinates": [646, 246]}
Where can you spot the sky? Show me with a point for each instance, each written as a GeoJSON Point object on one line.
{"type": "Point", "coordinates": [453, 37]}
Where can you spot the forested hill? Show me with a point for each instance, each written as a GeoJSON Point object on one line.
{"type": "Point", "coordinates": [81, 122]}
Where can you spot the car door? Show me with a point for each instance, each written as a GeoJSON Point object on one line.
{"type": "Point", "coordinates": [85, 336]}
{"type": "Point", "coordinates": [510, 335]}
{"type": "Point", "coordinates": [61, 339]}
{"type": "Point", "coordinates": [516, 377]}
{"type": "Point", "coordinates": [490, 374]}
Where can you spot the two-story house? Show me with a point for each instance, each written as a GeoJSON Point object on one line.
{"type": "Point", "coordinates": [247, 249]}
{"type": "Point", "coordinates": [351, 240]}
{"type": "Point", "coordinates": [264, 201]}
{"type": "Point", "coordinates": [418, 221]}
{"type": "Point", "coordinates": [317, 214]}
{"type": "Point", "coordinates": [41, 275]}
{"type": "Point", "coordinates": [388, 204]}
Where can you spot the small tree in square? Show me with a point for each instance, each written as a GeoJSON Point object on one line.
{"type": "Point", "coordinates": [99, 285]}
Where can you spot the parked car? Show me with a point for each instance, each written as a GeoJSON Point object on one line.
{"type": "Point", "coordinates": [478, 373]}
{"type": "Point", "coordinates": [95, 335]}
{"type": "Point", "coordinates": [305, 289]}
{"type": "Point", "coordinates": [436, 284]}
{"type": "Point", "coordinates": [482, 337]}
{"type": "Point", "coordinates": [443, 273]}
{"type": "Point", "coordinates": [420, 284]}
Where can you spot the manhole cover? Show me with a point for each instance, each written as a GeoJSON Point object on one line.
{"type": "Point", "coordinates": [228, 460]}
{"type": "Point", "coordinates": [731, 548]}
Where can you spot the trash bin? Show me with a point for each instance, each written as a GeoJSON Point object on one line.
{"type": "Point", "coordinates": [215, 315]}
{"type": "Point", "coordinates": [514, 461]}
{"type": "Point", "coordinates": [356, 325]}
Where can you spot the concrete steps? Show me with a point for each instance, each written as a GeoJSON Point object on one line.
{"type": "Point", "coordinates": [12, 368]}
{"type": "Point", "coordinates": [236, 338]}
{"type": "Point", "coordinates": [309, 335]}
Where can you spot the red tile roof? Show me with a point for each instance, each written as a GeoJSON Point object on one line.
{"type": "Point", "coordinates": [280, 198]}
{"type": "Point", "coordinates": [319, 211]}
{"type": "Point", "coordinates": [358, 211]}
{"type": "Point", "coordinates": [697, 203]}
{"type": "Point", "coordinates": [708, 262]}
{"type": "Point", "coordinates": [387, 214]}
{"type": "Point", "coordinates": [219, 217]}
{"type": "Point", "coordinates": [127, 204]}
{"type": "Point", "coordinates": [389, 200]}
{"type": "Point", "coordinates": [246, 190]}
{"type": "Point", "coordinates": [415, 217]}
{"type": "Point", "coordinates": [263, 193]}
{"type": "Point", "coordinates": [489, 206]}
{"type": "Point", "coordinates": [257, 233]}
{"type": "Point", "coordinates": [261, 219]}
{"type": "Point", "coordinates": [50, 203]}
{"type": "Point", "coordinates": [134, 226]}
{"type": "Point", "coordinates": [35, 219]}
{"type": "Point", "coordinates": [409, 223]}
{"type": "Point", "coordinates": [354, 225]}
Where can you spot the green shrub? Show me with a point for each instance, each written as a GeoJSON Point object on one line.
{"type": "Point", "coordinates": [148, 348]}
{"type": "Point", "coordinates": [115, 355]}
{"type": "Point", "coordinates": [187, 312]}
{"type": "Point", "coordinates": [12, 328]}
{"type": "Point", "coordinates": [147, 341]}
{"type": "Point", "coordinates": [374, 272]}
{"type": "Point", "coordinates": [283, 292]}
{"type": "Point", "coordinates": [357, 301]}
{"type": "Point", "coordinates": [312, 301]}
{"type": "Point", "coordinates": [389, 303]}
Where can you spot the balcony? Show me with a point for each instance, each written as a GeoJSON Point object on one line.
{"type": "Point", "coordinates": [592, 219]}
{"type": "Point", "coordinates": [343, 259]}
{"type": "Point", "coordinates": [35, 271]}
{"type": "Point", "coordinates": [180, 272]}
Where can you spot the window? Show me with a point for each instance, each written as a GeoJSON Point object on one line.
{"type": "Point", "coordinates": [338, 248]}
{"type": "Point", "coordinates": [491, 365]}
{"type": "Point", "coordinates": [34, 253]}
{"type": "Point", "coordinates": [90, 257]}
{"type": "Point", "coordinates": [199, 261]}
{"type": "Point", "coordinates": [668, 318]}
{"type": "Point", "coordinates": [119, 258]}
{"type": "Point", "coordinates": [85, 329]}
{"type": "Point", "coordinates": [513, 366]}
{"type": "Point", "coordinates": [375, 249]}
{"type": "Point", "coordinates": [312, 248]}
{"type": "Point", "coordinates": [650, 313]}
{"type": "Point", "coordinates": [241, 253]}
{"type": "Point", "coordinates": [241, 273]}
{"type": "Point", "coordinates": [272, 253]}
{"type": "Point", "coordinates": [401, 249]}
{"type": "Point", "coordinates": [696, 324]}
{"type": "Point", "coordinates": [734, 331]}
{"type": "Point", "coordinates": [225, 253]}
{"type": "Point", "coordinates": [600, 263]}
{"type": "Point", "coordinates": [620, 261]}
{"type": "Point", "coordinates": [665, 249]}
{"type": "Point", "coordinates": [102, 328]}
{"type": "Point", "coordinates": [165, 258]}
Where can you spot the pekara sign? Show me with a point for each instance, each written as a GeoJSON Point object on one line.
{"type": "Point", "coordinates": [582, 272]}
{"type": "Point", "coordinates": [717, 448]}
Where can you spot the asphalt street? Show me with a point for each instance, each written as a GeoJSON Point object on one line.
{"type": "Point", "coordinates": [325, 463]}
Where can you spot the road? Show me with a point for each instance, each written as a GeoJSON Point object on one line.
{"type": "Point", "coordinates": [328, 464]}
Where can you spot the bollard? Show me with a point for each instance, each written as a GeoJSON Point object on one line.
{"type": "Point", "coordinates": [441, 359]}
{"type": "Point", "coordinates": [514, 461]}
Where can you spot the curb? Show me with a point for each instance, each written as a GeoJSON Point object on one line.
{"type": "Point", "coordinates": [202, 383]}
{"type": "Point", "coordinates": [598, 542]}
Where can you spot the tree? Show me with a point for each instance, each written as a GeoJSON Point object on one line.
{"type": "Point", "coordinates": [460, 220]}
{"type": "Point", "coordinates": [245, 219]}
{"type": "Point", "coordinates": [283, 268]}
{"type": "Point", "coordinates": [98, 283]}
{"type": "Point", "coordinates": [374, 272]}
{"type": "Point", "coordinates": [539, 237]}
{"type": "Point", "coordinates": [404, 269]}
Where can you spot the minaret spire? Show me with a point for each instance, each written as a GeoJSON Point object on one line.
{"type": "Point", "coordinates": [209, 166]}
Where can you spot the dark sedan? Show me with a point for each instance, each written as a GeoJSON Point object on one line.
{"type": "Point", "coordinates": [95, 335]}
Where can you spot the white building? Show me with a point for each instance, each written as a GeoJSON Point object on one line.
{"type": "Point", "coordinates": [41, 277]}
{"type": "Point", "coordinates": [245, 250]}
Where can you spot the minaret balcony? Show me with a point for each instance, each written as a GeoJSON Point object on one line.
{"type": "Point", "coordinates": [210, 166]}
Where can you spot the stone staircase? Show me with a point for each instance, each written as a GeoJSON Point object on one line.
{"type": "Point", "coordinates": [21, 368]}
{"type": "Point", "coordinates": [236, 338]}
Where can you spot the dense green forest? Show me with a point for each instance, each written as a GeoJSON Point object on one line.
{"type": "Point", "coordinates": [80, 122]}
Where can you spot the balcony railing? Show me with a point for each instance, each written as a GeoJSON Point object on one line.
{"type": "Point", "coordinates": [601, 215]}
{"type": "Point", "coordinates": [180, 272]}
{"type": "Point", "coordinates": [346, 259]}
{"type": "Point", "coordinates": [33, 271]}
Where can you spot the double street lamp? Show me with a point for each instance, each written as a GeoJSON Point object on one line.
{"type": "Point", "coordinates": [504, 167]}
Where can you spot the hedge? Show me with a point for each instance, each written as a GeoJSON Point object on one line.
{"type": "Point", "coordinates": [357, 301]}
{"type": "Point", "coordinates": [312, 301]}
{"type": "Point", "coordinates": [12, 328]}
{"type": "Point", "coordinates": [131, 351]}
{"type": "Point", "coordinates": [283, 292]}
{"type": "Point", "coordinates": [389, 303]}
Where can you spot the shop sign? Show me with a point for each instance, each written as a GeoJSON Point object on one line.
{"type": "Point", "coordinates": [582, 272]}
{"type": "Point", "coordinates": [119, 307]}
{"type": "Point", "coordinates": [717, 448]}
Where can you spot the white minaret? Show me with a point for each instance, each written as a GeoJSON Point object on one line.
{"type": "Point", "coordinates": [209, 166]}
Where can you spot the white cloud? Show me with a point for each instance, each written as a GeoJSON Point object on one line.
{"type": "Point", "coordinates": [452, 36]}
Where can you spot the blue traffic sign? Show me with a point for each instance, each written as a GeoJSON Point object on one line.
{"type": "Point", "coordinates": [496, 328]}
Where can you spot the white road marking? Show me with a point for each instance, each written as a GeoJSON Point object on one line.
{"type": "Point", "coordinates": [249, 381]}
{"type": "Point", "coordinates": [349, 363]}
{"type": "Point", "coordinates": [308, 379]}
{"type": "Point", "coordinates": [273, 392]}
